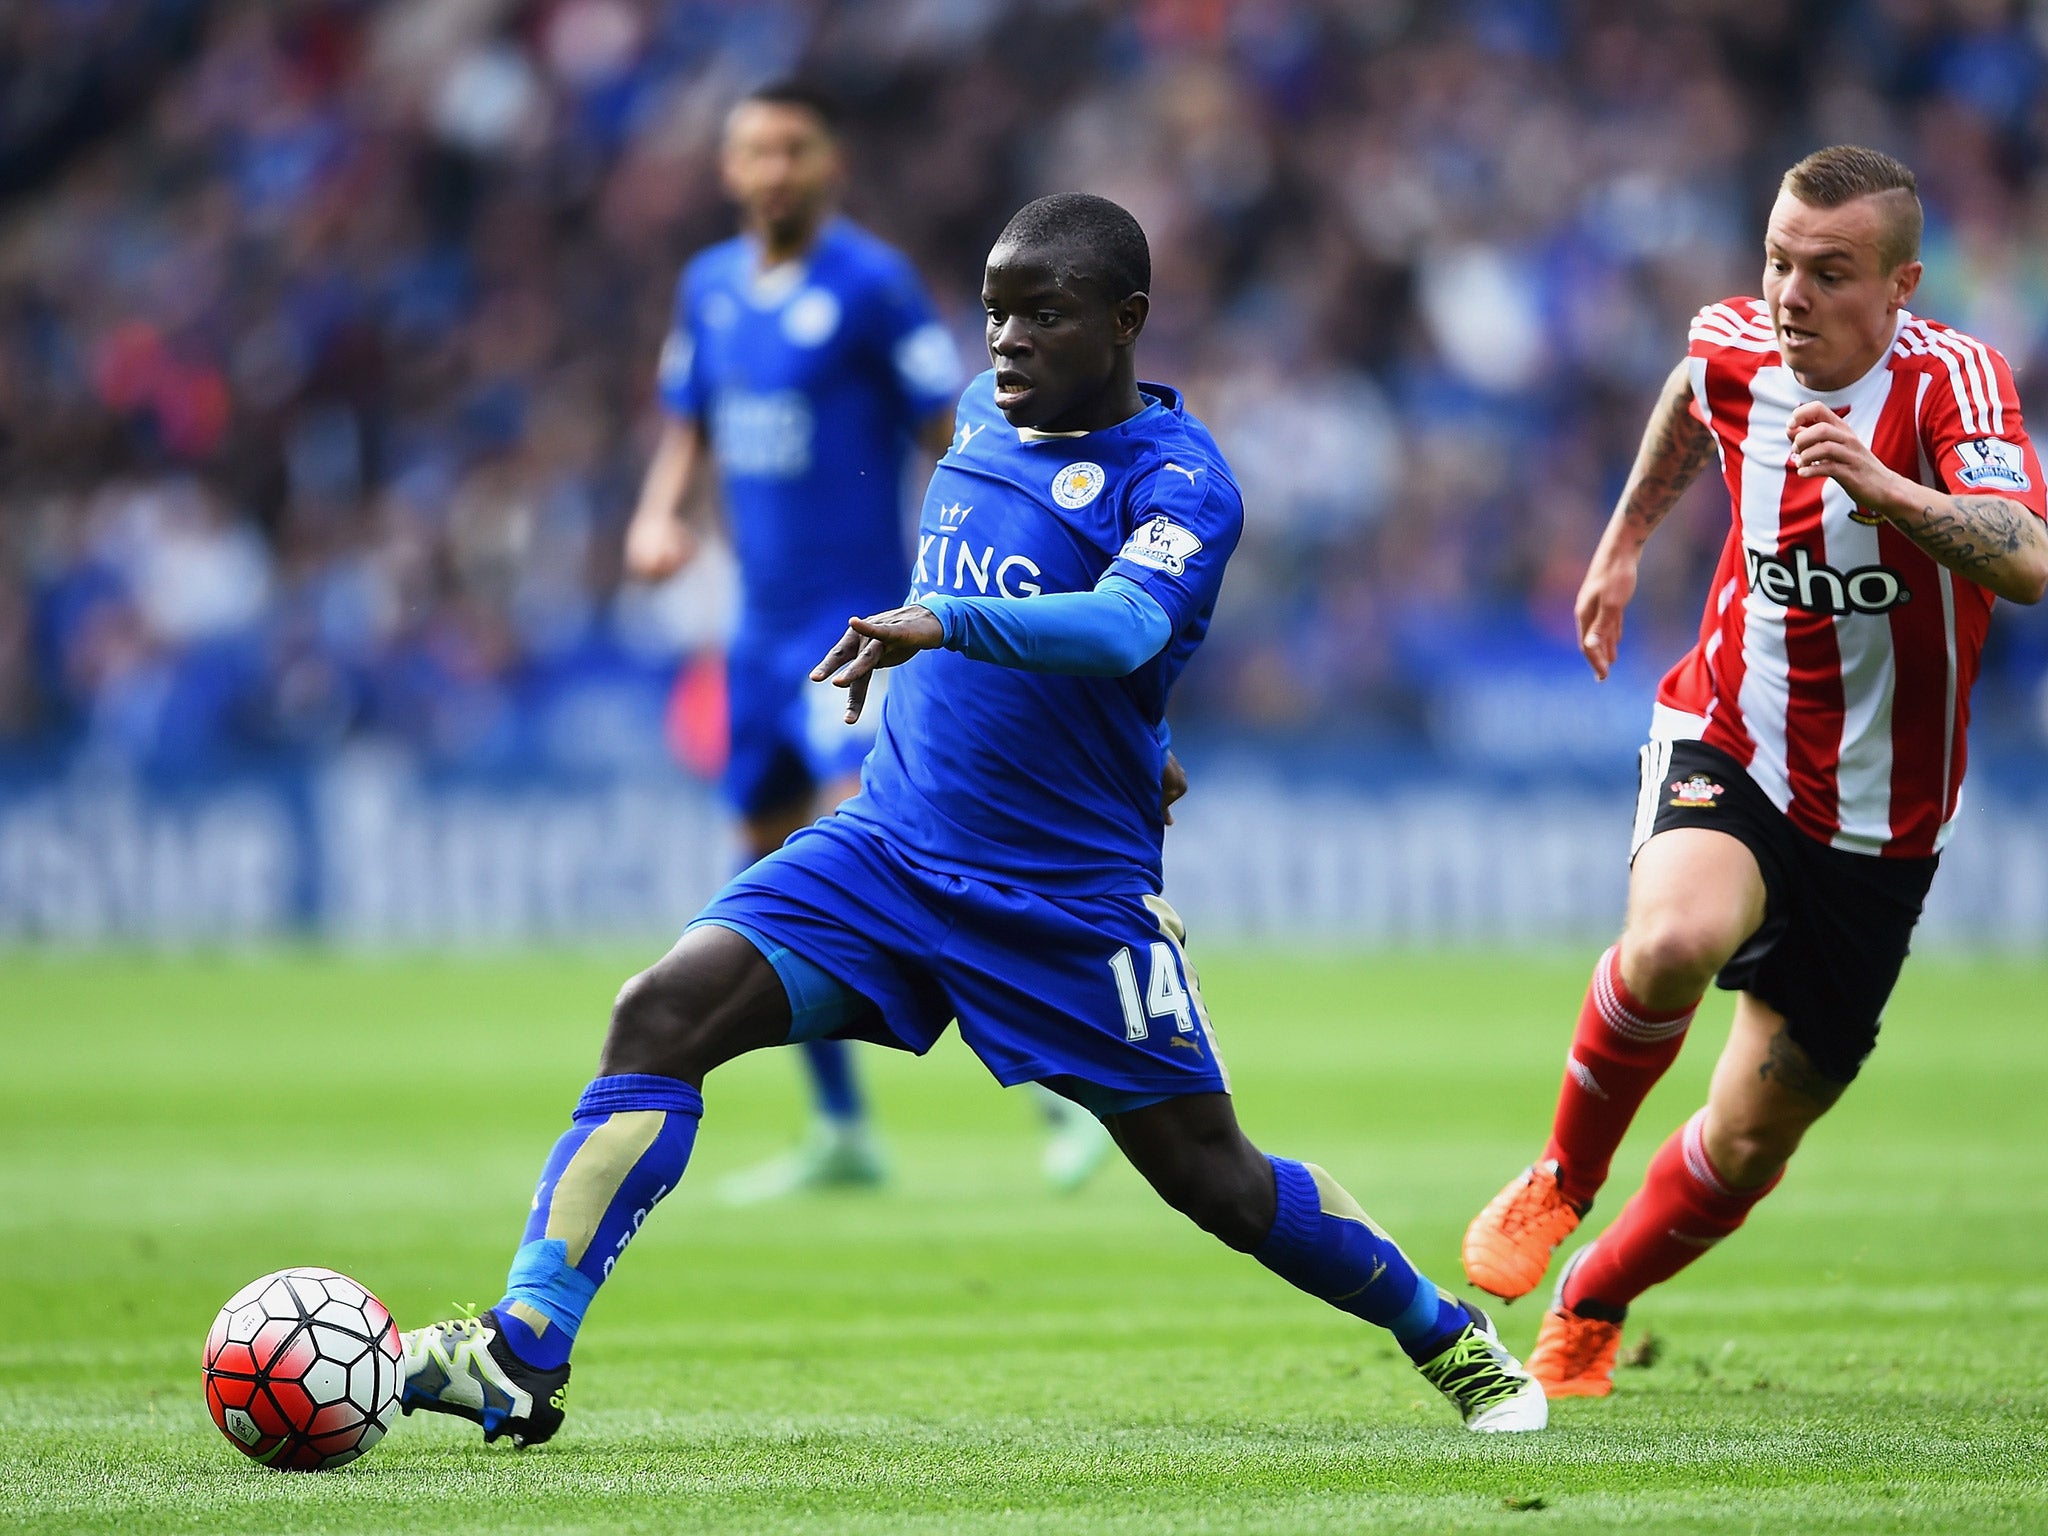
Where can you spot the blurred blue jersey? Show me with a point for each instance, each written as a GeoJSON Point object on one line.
{"type": "Point", "coordinates": [810, 379]}
{"type": "Point", "coordinates": [1033, 778]}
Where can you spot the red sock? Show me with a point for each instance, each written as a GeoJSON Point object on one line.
{"type": "Point", "coordinates": [1618, 1052]}
{"type": "Point", "coordinates": [1682, 1210]}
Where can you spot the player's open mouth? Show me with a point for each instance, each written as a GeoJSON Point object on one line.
{"type": "Point", "coordinates": [1011, 387]}
{"type": "Point", "coordinates": [1792, 336]}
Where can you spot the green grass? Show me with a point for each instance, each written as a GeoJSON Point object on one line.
{"type": "Point", "coordinates": [965, 1351]}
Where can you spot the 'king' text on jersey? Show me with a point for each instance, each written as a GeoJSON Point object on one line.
{"type": "Point", "coordinates": [1037, 778]}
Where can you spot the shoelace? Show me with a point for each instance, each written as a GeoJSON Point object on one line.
{"type": "Point", "coordinates": [1529, 1208]}
{"type": "Point", "coordinates": [1584, 1338]}
{"type": "Point", "coordinates": [1472, 1377]}
{"type": "Point", "coordinates": [466, 1324]}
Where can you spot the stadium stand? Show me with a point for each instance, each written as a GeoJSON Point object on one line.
{"type": "Point", "coordinates": [325, 366]}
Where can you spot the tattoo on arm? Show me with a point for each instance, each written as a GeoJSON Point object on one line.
{"type": "Point", "coordinates": [1675, 448]}
{"type": "Point", "coordinates": [1792, 1069]}
{"type": "Point", "coordinates": [1969, 534]}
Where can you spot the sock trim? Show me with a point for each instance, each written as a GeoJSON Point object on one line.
{"type": "Point", "coordinates": [637, 1090]}
{"type": "Point", "coordinates": [1693, 1142]}
{"type": "Point", "coordinates": [1296, 1208]}
{"type": "Point", "coordinates": [1621, 1012]}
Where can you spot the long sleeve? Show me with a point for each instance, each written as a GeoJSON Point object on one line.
{"type": "Point", "coordinates": [1110, 631]}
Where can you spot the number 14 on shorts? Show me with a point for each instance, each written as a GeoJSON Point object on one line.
{"type": "Point", "coordinates": [1165, 995]}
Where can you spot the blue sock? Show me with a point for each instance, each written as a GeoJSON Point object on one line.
{"type": "Point", "coordinates": [1322, 1242]}
{"type": "Point", "coordinates": [628, 1142]}
{"type": "Point", "coordinates": [831, 1065]}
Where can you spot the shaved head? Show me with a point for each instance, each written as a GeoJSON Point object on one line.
{"type": "Point", "coordinates": [1089, 238]}
{"type": "Point", "coordinates": [1842, 174]}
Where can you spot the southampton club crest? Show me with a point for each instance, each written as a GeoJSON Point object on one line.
{"type": "Point", "coordinates": [1698, 793]}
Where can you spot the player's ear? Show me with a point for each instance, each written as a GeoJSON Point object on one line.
{"type": "Point", "coordinates": [1127, 318]}
{"type": "Point", "coordinates": [1905, 281]}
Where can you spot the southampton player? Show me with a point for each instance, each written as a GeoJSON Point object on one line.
{"type": "Point", "coordinates": [1806, 755]}
{"type": "Point", "coordinates": [804, 361]}
{"type": "Point", "coordinates": [1001, 864]}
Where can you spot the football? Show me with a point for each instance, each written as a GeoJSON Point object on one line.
{"type": "Point", "coordinates": [302, 1370]}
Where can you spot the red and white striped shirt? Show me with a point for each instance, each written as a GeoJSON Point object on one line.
{"type": "Point", "coordinates": [1835, 658]}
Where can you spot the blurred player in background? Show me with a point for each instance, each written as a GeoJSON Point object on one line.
{"type": "Point", "coordinates": [1001, 863]}
{"type": "Point", "coordinates": [1806, 756]}
{"type": "Point", "coordinates": [804, 362]}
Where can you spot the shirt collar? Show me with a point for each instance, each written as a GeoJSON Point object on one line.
{"type": "Point", "coordinates": [1156, 397]}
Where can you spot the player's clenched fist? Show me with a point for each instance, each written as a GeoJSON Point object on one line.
{"type": "Point", "coordinates": [880, 640]}
{"type": "Point", "coordinates": [1823, 445]}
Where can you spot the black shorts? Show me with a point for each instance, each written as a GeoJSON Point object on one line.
{"type": "Point", "coordinates": [1836, 925]}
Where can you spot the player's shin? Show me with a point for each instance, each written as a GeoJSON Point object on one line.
{"type": "Point", "coordinates": [1325, 1244]}
{"type": "Point", "coordinates": [626, 1147]}
{"type": "Point", "coordinates": [1684, 1208]}
{"type": "Point", "coordinates": [1618, 1052]}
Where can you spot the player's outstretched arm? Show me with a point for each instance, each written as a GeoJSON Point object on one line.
{"type": "Point", "coordinates": [660, 540]}
{"type": "Point", "coordinates": [880, 640]}
{"type": "Point", "coordinates": [1674, 449]}
{"type": "Point", "coordinates": [1109, 631]}
{"type": "Point", "coordinates": [1995, 541]}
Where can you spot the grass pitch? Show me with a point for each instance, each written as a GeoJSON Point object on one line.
{"type": "Point", "coordinates": [965, 1351]}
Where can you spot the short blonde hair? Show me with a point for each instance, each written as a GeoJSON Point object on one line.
{"type": "Point", "coordinates": [1842, 173]}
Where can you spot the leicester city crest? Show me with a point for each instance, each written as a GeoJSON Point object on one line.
{"type": "Point", "coordinates": [1078, 484]}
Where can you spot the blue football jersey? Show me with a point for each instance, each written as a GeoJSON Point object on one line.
{"type": "Point", "coordinates": [811, 380]}
{"type": "Point", "coordinates": [1036, 778]}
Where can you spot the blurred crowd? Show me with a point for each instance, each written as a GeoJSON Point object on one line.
{"type": "Point", "coordinates": [328, 327]}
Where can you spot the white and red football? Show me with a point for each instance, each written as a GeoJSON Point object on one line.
{"type": "Point", "coordinates": [302, 1370]}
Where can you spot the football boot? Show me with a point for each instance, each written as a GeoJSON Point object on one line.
{"type": "Point", "coordinates": [1509, 1244]}
{"type": "Point", "coordinates": [1489, 1387]}
{"type": "Point", "coordinates": [1576, 1348]}
{"type": "Point", "coordinates": [464, 1367]}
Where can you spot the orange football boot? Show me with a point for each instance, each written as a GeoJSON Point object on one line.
{"type": "Point", "coordinates": [1509, 1244]}
{"type": "Point", "coordinates": [1575, 1354]}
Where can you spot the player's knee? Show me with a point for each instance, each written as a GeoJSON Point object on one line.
{"type": "Point", "coordinates": [1748, 1151]}
{"type": "Point", "coordinates": [647, 1007]}
{"type": "Point", "coordinates": [662, 1022]}
{"type": "Point", "coordinates": [1668, 958]}
{"type": "Point", "coordinates": [1747, 1161]}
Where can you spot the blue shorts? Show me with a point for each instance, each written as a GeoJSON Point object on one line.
{"type": "Point", "coordinates": [1091, 995]}
{"type": "Point", "coordinates": [789, 734]}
